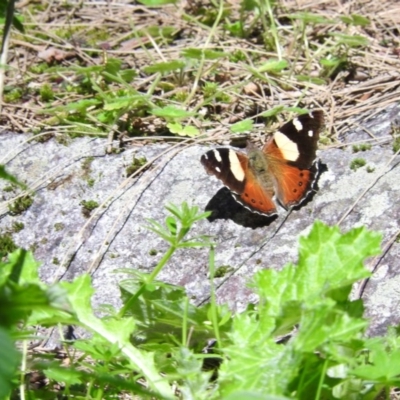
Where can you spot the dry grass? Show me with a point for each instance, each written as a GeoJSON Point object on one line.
{"type": "Point", "coordinates": [88, 33]}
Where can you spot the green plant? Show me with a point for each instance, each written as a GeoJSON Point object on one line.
{"type": "Point", "coordinates": [20, 205]}
{"type": "Point", "coordinates": [163, 339]}
{"type": "Point", "coordinates": [396, 144]}
{"type": "Point", "coordinates": [357, 163]}
{"type": "Point", "coordinates": [137, 163]}
{"type": "Point", "coordinates": [88, 206]}
{"type": "Point", "coordinates": [361, 147]}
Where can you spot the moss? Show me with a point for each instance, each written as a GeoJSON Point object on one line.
{"type": "Point", "coordinates": [43, 137]}
{"type": "Point", "coordinates": [357, 163]}
{"type": "Point", "coordinates": [87, 169]}
{"type": "Point", "coordinates": [237, 55]}
{"type": "Point", "coordinates": [396, 144]}
{"type": "Point", "coordinates": [153, 252]}
{"type": "Point", "coordinates": [17, 226]}
{"type": "Point", "coordinates": [46, 93]}
{"type": "Point", "coordinates": [58, 226]}
{"type": "Point", "coordinates": [370, 169]}
{"type": "Point", "coordinates": [56, 261]}
{"type": "Point", "coordinates": [40, 68]}
{"type": "Point", "coordinates": [33, 247]}
{"type": "Point", "coordinates": [88, 206]}
{"type": "Point", "coordinates": [222, 271]}
{"type": "Point", "coordinates": [20, 205]}
{"type": "Point", "coordinates": [324, 140]}
{"type": "Point", "coordinates": [7, 244]}
{"type": "Point", "coordinates": [136, 164]}
{"type": "Point", "coordinates": [86, 164]}
{"type": "Point", "coordinates": [9, 188]}
{"type": "Point", "coordinates": [361, 147]}
{"type": "Point", "coordinates": [13, 96]}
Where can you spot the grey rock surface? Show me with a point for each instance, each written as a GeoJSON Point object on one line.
{"type": "Point", "coordinates": [68, 244]}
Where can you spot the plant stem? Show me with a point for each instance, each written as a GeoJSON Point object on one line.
{"type": "Point", "coordinates": [150, 279]}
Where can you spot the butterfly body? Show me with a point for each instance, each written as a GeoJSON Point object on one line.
{"type": "Point", "coordinates": [285, 169]}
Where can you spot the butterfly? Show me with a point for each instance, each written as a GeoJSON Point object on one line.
{"type": "Point", "coordinates": [284, 170]}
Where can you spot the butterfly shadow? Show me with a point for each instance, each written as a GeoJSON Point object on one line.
{"type": "Point", "coordinates": [223, 206]}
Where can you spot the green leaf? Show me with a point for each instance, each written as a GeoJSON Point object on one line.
{"type": "Point", "coordinates": [114, 331]}
{"type": "Point", "coordinates": [9, 362]}
{"type": "Point", "coordinates": [171, 112]}
{"type": "Point", "coordinates": [242, 126]}
{"type": "Point", "coordinates": [273, 66]}
{"type": "Point", "coordinates": [69, 376]}
{"type": "Point", "coordinates": [164, 67]}
{"type": "Point", "coordinates": [273, 112]}
{"type": "Point", "coordinates": [79, 106]}
{"type": "Point", "coordinates": [383, 365]}
{"type": "Point", "coordinates": [248, 395]}
{"type": "Point", "coordinates": [207, 54]}
{"type": "Point", "coordinates": [350, 40]}
{"type": "Point", "coordinates": [355, 19]}
{"type": "Point", "coordinates": [180, 130]}
{"type": "Point", "coordinates": [122, 103]}
{"type": "Point", "coordinates": [171, 224]}
{"type": "Point", "coordinates": [11, 178]}
{"type": "Point", "coordinates": [311, 18]}
{"type": "Point", "coordinates": [313, 295]}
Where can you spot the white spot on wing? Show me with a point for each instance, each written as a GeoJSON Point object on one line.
{"type": "Point", "coordinates": [218, 169]}
{"type": "Point", "coordinates": [236, 167]}
{"type": "Point", "coordinates": [297, 124]}
{"type": "Point", "coordinates": [310, 133]}
{"type": "Point", "coordinates": [288, 148]}
{"type": "Point", "coordinates": [217, 156]}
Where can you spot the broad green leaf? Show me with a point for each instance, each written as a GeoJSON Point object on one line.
{"type": "Point", "coordinates": [114, 331]}
{"type": "Point", "coordinates": [383, 365]}
{"type": "Point", "coordinates": [180, 130]}
{"type": "Point", "coordinates": [248, 395]}
{"type": "Point", "coordinates": [171, 112]}
{"type": "Point", "coordinates": [164, 67]}
{"type": "Point", "coordinates": [69, 376]}
{"type": "Point", "coordinates": [242, 126]}
{"type": "Point", "coordinates": [113, 66]}
{"type": "Point", "coordinates": [312, 295]}
{"type": "Point", "coordinates": [9, 362]}
{"type": "Point", "coordinates": [195, 381]}
{"type": "Point", "coordinates": [25, 267]}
